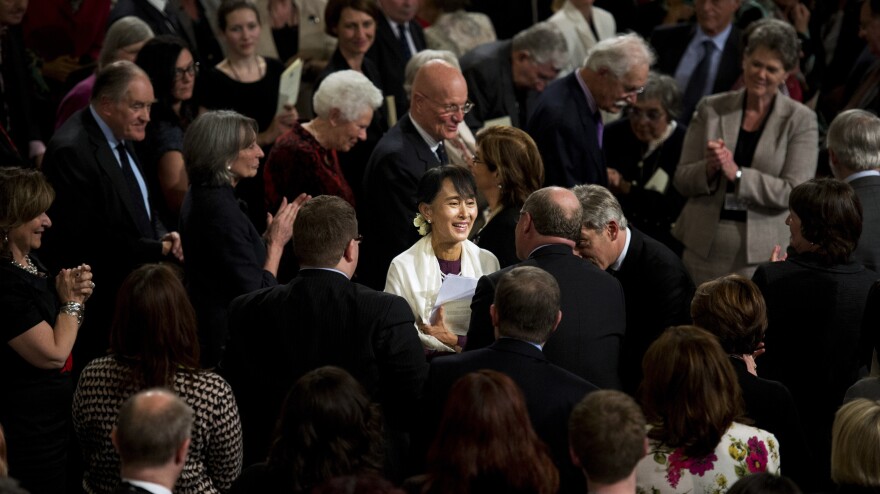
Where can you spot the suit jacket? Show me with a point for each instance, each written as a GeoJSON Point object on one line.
{"type": "Point", "coordinates": [487, 70]}
{"type": "Point", "coordinates": [126, 488]}
{"type": "Point", "coordinates": [579, 36]}
{"type": "Point", "coordinates": [670, 43]}
{"type": "Point", "coordinates": [19, 98]}
{"type": "Point", "coordinates": [588, 340]}
{"type": "Point", "coordinates": [498, 236]}
{"type": "Point", "coordinates": [658, 292]}
{"type": "Point", "coordinates": [550, 392]}
{"type": "Point", "coordinates": [868, 250]}
{"type": "Point", "coordinates": [388, 56]}
{"type": "Point", "coordinates": [320, 318]}
{"type": "Point", "coordinates": [565, 131]}
{"type": "Point", "coordinates": [785, 157]}
{"type": "Point", "coordinates": [390, 181]}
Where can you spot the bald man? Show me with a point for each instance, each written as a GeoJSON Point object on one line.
{"type": "Point", "coordinates": [402, 156]}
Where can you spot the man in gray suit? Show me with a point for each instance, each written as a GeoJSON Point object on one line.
{"type": "Point", "coordinates": [854, 151]}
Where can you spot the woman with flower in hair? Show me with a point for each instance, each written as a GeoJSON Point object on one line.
{"type": "Point", "coordinates": [693, 404]}
{"type": "Point", "coordinates": [447, 208]}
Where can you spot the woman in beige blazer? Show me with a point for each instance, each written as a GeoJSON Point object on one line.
{"type": "Point", "coordinates": [743, 154]}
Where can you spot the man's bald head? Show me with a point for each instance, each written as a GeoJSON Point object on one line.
{"type": "Point", "coordinates": [151, 427]}
{"type": "Point", "coordinates": [439, 95]}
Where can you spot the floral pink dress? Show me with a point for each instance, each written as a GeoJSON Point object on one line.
{"type": "Point", "coordinates": [743, 450]}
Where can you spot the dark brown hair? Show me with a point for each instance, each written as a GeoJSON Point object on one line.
{"type": "Point", "coordinates": [333, 12]}
{"type": "Point", "coordinates": [732, 308]}
{"type": "Point", "coordinates": [515, 156]}
{"type": "Point", "coordinates": [229, 6]}
{"type": "Point", "coordinates": [24, 195]}
{"type": "Point", "coordinates": [527, 304]}
{"type": "Point", "coordinates": [831, 217]}
{"type": "Point", "coordinates": [323, 228]}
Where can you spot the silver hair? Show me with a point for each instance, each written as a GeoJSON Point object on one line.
{"type": "Point", "coordinates": [113, 80]}
{"type": "Point", "coordinates": [620, 54]}
{"type": "Point", "coordinates": [777, 36]}
{"type": "Point", "coordinates": [151, 426]}
{"type": "Point", "coordinates": [600, 207]}
{"type": "Point", "coordinates": [127, 31]}
{"type": "Point", "coordinates": [544, 42]}
{"type": "Point", "coordinates": [664, 89]}
{"type": "Point", "coordinates": [854, 137]}
{"type": "Point", "coordinates": [212, 143]}
{"type": "Point", "coordinates": [348, 91]}
{"type": "Point", "coordinates": [421, 58]}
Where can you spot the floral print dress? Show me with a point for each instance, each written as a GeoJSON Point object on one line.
{"type": "Point", "coordinates": [743, 450]}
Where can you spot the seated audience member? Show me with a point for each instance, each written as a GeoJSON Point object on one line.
{"type": "Point", "coordinates": [861, 86]}
{"type": "Point", "coordinates": [764, 483]}
{"type": "Point", "coordinates": [855, 458]}
{"type": "Point", "coordinates": [447, 210]}
{"type": "Point", "coordinates": [583, 25]}
{"type": "Point", "coordinates": [485, 442]}
{"type": "Point", "coordinates": [122, 42]}
{"type": "Point", "coordinates": [705, 58]}
{"type": "Point", "coordinates": [655, 13]}
{"type": "Point", "coordinates": [321, 318]}
{"type": "Point", "coordinates": [154, 343]}
{"type": "Point", "coordinates": [304, 159]}
{"type": "Point", "coordinates": [589, 338]}
{"type": "Point", "coordinates": [853, 142]}
{"type": "Point", "coordinates": [152, 435]}
{"type": "Point", "coordinates": [642, 151]}
{"type": "Point", "coordinates": [505, 77]}
{"type": "Point", "coordinates": [815, 302]}
{"type": "Point", "coordinates": [507, 167]}
{"type": "Point", "coordinates": [567, 124]}
{"type": "Point", "coordinates": [607, 435]}
{"type": "Point", "coordinates": [656, 286]}
{"type": "Point", "coordinates": [172, 71]}
{"type": "Point", "coordinates": [525, 314]}
{"type": "Point", "coordinates": [328, 427]}
{"type": "Point", "coordinates": [401, 157]}
{"type": "Point", "coordinates": [693, 405]}
{"type": "Point", "coordinates": [453, 28]}
{"type": "Point", "coordinates": [743, 153]}
{"type": "Point", "coordinates": [732, 308]}
{"type": "Point", "coordinates": [226, 256]}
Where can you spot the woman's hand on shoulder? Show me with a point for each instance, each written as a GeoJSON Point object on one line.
{"type": "Point", "coordinates": [75, 285]}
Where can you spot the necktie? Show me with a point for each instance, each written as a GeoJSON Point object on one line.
{"type": "Point", "coordinates": [134, 190]}
{"type": "Point", "coordinates": [404, 44]}
{"type": "Point", "coordinates": [696, 87]}
{"type": "Point", "coordinates": [600, 127]}
{"type": "Point", "coordinates": [441, 154]}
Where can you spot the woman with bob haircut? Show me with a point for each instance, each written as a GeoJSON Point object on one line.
{"type": "Point", "coordinates": [507, 167]}
{"type": "Point", "coordinates": [486, 443]}
{"type": "Point", "coordinates": [226, 256]}
{"type": "Point", "coordinates": [154, 343]}
{"type": "Point", "coordinates": [855, 447]}
{"type": "Point", "coordinates": [815, 300]}
{"type": "Point", "coordinates": [693, 405]}
{"type": "Point", "coordinates": [327, 428]}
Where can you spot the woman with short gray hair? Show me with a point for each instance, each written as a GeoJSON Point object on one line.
{"type": "Point", "coordinates": [226, 256]}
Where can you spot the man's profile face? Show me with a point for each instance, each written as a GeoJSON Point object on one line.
{"type": "Point", "coordinates": [616, 93]}
{"type": "Point", "coordinates": [128, 117]}
{"type": "Point", "coordinates": [714, 16]}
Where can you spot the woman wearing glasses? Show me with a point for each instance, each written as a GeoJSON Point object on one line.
{"type": "Point", "coordinates": [743, 154]}
{"type": "Point", "coordinates": [172, 71]}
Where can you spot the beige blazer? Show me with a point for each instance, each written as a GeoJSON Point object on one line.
{"type": "Point", "coordinates": [785, 157]}
{"type": "Point", "coordinates": [578, 35]}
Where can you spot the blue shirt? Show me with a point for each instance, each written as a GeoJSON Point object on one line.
{"type": "Point", "coordinates": [694, 53]}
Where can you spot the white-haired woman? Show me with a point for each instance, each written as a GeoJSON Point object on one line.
{"type": "Point", "coordinates": [304, 158]}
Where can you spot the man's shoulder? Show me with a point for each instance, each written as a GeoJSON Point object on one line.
{"type": "Point", "coordinates": [675, 32]}
{"type": "Point", "coordinates": [399, 140]}
{"type": "Point", "coordinates": [477, 58]}
{"type": "Point", "coordinates": [869, 185]}
{"type": "Point", "coordinates": [651, 252]}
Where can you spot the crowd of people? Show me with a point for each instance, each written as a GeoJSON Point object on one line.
{"type": "Point", "coordinates": [490, 246]}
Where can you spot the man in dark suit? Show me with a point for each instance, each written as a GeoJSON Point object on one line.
{"type": "Point", "coordinates": [504, 77]}
{"type": "Point", "coordinates": [152, 436]}
{"type": "Point", "coordinates": [705, 58]}
{"type": "Point", "coordinates": [854, 152]}
{"type": "Point", "coordinates": [402, 156]}
{"type": "Point", "coordinates": [567, 123]}
{"type": "Point", "coordinates": [656, 285]}
{"type": "Point", "coordinates": [587, 341]}
{"type": "Point", "coordinates": [321, 318]}
{"type": "Point", "coordinates": [398, 37]}
{"type": "Point", "coordinates": [102, 212]}
{"type": "Point", "coordinates": [524, 314]}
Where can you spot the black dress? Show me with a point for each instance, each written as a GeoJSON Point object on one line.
{"type": "Point", "coordinates": [499, 236]}
{"type": "Point", "coordinates": [34, 403]}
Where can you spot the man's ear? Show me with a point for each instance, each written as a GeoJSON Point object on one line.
{"type": "Point", "coordinates": [114, 439]}
{"type": "Point", "coordinates": [558, 320]}
{"type": "Point", "coordinates": [182, 451]}
{"type": "Point", "coordinates": [574, 459]}
{"type": "Point", "coordinates": [613, 230]}
{"type": "Point", "coordinates": [493, 313]}
{"type": "Point", "coordinates": [348, 253]}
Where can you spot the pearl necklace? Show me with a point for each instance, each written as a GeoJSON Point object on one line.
{"type": "Point", "coordinates": [29, 266]}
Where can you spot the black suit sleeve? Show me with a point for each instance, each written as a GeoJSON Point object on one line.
{"type": "Point", "coordinates": [481, 333]}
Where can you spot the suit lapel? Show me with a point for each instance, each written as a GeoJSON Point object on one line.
{"type": "Point", "coordinates": [731, 120]}
{"type": "Point", "coordinates": [423, 152]}
{"type": "Point", "coordinates": [588, 122]}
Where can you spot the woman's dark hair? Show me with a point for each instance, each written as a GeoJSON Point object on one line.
{"type": "Point", "coordinates": [486, 443]}
{"type": "Point", "coordinates": [515, 156]}
{"type": "Point", "coordinates": [333, 12]}
{"type": "Point", "coordinates": [764, 483]}
{"type": "Point", "coordinates": [327, 428]}
{"type": "Point", "coordinates": [690, 392]}
{"type": "Point", "coordinates": [732, 308]}
{"type": "Point", "coordinates": [229, 6]}
{"type": "Point", "coordinates": [154, 328]}
{"type": "Point", "coordinates": [831, 217]}
{"type": "Point", "coordinates": [158, 58]}
{"type": "Point", "coordinates": [24, 194]}
{"type": "Point", "coordinates": [432, 181]}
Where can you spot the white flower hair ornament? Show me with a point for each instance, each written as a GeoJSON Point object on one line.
{"type": "Point", "coordinates": [422, 224]}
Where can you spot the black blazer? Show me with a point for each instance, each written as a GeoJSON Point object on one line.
{"type": "Point", "coordinates": [588, 340]}
{"type": "Point", "coordinates": [126, 488]}
{"type": "Point", "coordinates": [868, 250]}
{"type": "Point", "coordinates": [658, 292]}
{"type": "Point", "coordinates": [670, 43]}
{"type": "Point", "coordinates": [389, 58]}
{"type": "Point", "coordinates": [565, 131]}
{"type": "Point", "coordinates": [390, 181]}
{"type": "Point", "coordinates": [320, 318]}
{"type": "Point", "coordinates": [499, 235]}
{"type": "Point", "coordinates": [487, 70]}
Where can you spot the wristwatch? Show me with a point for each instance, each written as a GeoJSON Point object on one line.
{"type": "Point", "coordinates": [739, 174]}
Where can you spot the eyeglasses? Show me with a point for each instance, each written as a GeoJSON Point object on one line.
{"type": "Point", "coordinates": [631, 90]}
{"type": "Point", "coordinates": [452, 108]}
{"type": "Point", "coordinates": [652, 115]}
{"type": "Point", "coordinates": [191, 70]}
